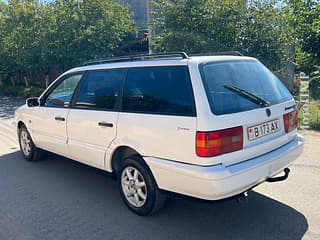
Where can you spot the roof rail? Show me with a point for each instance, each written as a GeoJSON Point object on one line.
{"type": "Point", "coordinates": [229, 53]}
{"type": "Point", "coordinates": [140, 57]}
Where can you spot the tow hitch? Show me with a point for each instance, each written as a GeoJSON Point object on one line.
{"type": "Point", "coordinates": [243, 197]}
{"type": "Point", "coordinates": [281, 178]}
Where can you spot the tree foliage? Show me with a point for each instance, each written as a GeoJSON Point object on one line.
{"type": "Point", "coordinates": [38, 35]}
{"type": "Point", "coordinates": [199, 26]}
{"type": "Point", "coordinates": [303, 17]}
{"type": "Point", "coordinates": [314, 85]}
{"type": "Point", "coordinates": [189, 25]}
{"type": "Point", "coordinates": [195, 25]}
{"type": "Point", "coordinates": [21, 34]}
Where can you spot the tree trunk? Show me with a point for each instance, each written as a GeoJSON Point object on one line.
{"type": "Point", "coordinates": [26, 81]}
{"type": "Point", "coordinates": [12, 81]}
{"type": "Point", "coordinates": [47, 80]}
{"type": "Point", "coordinates": [289, 67]}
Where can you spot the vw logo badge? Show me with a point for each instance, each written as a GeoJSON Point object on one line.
{"type": "Point", "coordinates": [268, 112]}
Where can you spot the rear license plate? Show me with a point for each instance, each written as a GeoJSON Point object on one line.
{"type": "Point", "coordinates": [263, 129]}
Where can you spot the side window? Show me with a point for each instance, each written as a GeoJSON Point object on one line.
{"type": "Point", "coordinates": [100, 89]}
{"type": "Point", "coordinates": [159, 90]}
{"type": "Point", "coordinates": [62, 94]}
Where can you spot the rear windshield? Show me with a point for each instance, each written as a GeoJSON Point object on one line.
{"type": "Point", "coordinates": [248, 75]}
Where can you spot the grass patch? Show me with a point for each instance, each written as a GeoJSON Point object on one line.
{"type": "Point", "coordinates": [314, 114]}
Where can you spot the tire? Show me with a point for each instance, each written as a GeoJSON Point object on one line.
{"type": "Point", "coordinates": [29, 151]}
{"type": "Point", "coordinates": [138, 188]}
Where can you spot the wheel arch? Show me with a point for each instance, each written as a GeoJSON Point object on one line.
{"type": "Point", "coordinates": [20, 124]}
{"type": "Point", "coordinates": [119, 154]}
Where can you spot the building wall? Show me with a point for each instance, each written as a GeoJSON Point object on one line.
{"type": "Point", "coordinates": [139, 9]}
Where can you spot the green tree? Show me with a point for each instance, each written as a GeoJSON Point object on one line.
{"type": "Point", "coordinates": [3, 58]}
{"type": "Point", "coordinates": [87, 29]}
{"type": "Point", "coordinates": [37, 35]}
{"type": "Point", "coordinates": [314, 85]}
{"type": "Point", "coordinates": [201, 26]}
{"type": "Point", "coordinates": [23, 27]}
{"type": "Point", "coordinates": [262, 34]}
{"type": "Point", "coordinates": [303, 17]}
{"type": "Point", "coordinates": [196, 26]}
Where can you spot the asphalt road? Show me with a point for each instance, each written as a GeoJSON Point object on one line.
{"type": "Point", "coordinates": [57, 198]}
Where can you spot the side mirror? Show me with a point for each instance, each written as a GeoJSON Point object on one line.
{"type": "Point", "coordinates": [33, 102]}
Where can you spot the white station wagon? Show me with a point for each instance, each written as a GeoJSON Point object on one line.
{"type": "Point", "coordinates": [209, 127]}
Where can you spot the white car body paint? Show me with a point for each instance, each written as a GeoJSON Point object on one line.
{"type": "Point", "coordinates": [166, 142]}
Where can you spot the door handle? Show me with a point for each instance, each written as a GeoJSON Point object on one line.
{"type": "Point", "coordinates": [62, 119]}
{"type": "Point", "coordinates": [105, 124]}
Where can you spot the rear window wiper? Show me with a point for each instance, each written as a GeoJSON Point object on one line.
{"type": "Point", "coordinates": [251, 97]}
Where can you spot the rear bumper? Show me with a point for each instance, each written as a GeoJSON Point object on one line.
{"type": "Point", "coordinates": [219, 181]}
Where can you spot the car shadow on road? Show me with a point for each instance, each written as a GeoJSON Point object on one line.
{"type": "Point", "coordinates": [80, 202]}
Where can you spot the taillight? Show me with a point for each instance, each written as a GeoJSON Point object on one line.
{"type": "Point", "coordinates": [290, 121]}
{"type": "Point", "coordinates": [209, 144]}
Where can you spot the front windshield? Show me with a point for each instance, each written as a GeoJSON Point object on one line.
{"type": "Point", "coordinates": [249, 75]}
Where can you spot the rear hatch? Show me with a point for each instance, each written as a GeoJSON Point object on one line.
{"type": "Point", "coordinates": [252, 112]}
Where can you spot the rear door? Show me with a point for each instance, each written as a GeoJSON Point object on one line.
{"type": "Point", "coordinates": [158, 116]}
{"type": "Point", "coordinates": [92, 120]}
{"type": "Point", "coordinates": [229, 88]}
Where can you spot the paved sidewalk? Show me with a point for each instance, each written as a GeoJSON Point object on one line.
{"type": "Point", "coordinates": [8, 105]}
{"type": "Point", "coordinates": [8, 137]}
{"type": "Point", "coordinates": [302, 190]}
